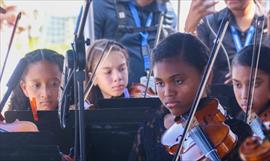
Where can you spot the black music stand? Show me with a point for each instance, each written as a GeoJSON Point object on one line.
{"type": "Point", "coordinates": [28, 147]}
{"type": "Point", "coordinates": [129, 102]}
{"type": "Point", "coordinates": [48, 121]}
{"type": "Point", "coordinates": [110, 132]}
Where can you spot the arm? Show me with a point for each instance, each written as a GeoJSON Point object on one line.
{"type": "Point", "coordinates": [198, 10]}
{"type": "Point", "coordinates": [99, 18]}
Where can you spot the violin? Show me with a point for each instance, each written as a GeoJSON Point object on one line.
{"type": "Point", "coordinates": [19, 126]}
{"type": "Point", "coordinates": [137, 90]}
{"type": "Point", "coordinates": [256, 148]}
{"type": "Point", "coordinates": [211, 121]}
{"type": "Point", "coordinates": [265, 117]}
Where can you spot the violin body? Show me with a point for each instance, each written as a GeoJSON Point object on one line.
{"type": "Point", "coordinates": [137, 90]}
{"type": "Point", "coordinates": [19, 126]}
{"type": "Point", "coordinates": [265, 117]}
{"type": "Point", "coordinates": [253, 149]}
{"type": "Point", "coordinates": [211, 120]}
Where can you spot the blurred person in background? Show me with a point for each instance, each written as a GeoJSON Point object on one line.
{"type": "Point", "coordinates": [202, 19]}
{"type": "Point", "coordinates": [133, 23]}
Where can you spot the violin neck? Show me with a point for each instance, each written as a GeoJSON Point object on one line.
{"type": "Point", "coordinates": [204, 143]}
{"type": "Point", "coordinates": [258, 128]}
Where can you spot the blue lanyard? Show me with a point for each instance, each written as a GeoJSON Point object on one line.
{"type": "Point", "coordinates": [137, 20]}
{"type": "Point", "coordinates": [236, 38]}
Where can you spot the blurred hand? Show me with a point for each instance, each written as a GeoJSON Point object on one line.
{"type": "Point", "coordinates": [9, 17]}
{"type": "Point", "coordinates": [198, 9]}
{"type": "Point", "coordinates": [228, 78]}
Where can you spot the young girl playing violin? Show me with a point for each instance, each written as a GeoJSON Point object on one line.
{"type": "Point", "coordinates": [240, 77]}
{"type": "Point", "coordinates": [253, 147]}
{"type": "Point", "coordinates": [178, 63]}
{"type": "Point", "coordinates": [40, 80]}
{"type": "Point", "coordinates": [111, 76]}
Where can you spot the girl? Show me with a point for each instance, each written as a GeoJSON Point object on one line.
{"type": "Point", "coordinates": [40, 80]}
{"type": "Point", "coordinates": [240, 78]}
{"type": "Point", "coordinates": [111, 77]}
{"type": "Point", "coordinates": [178, 64]}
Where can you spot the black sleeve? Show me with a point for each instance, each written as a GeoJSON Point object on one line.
{"type": "Point", "coordinates": [99, 17]}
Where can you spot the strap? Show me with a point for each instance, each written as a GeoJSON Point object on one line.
{"type": "Point", "coordinates": [236, 38]}
{"type": "Point", "coordinates": [135, 15]}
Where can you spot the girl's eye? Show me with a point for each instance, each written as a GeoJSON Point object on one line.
{"type": "Point", "coordinates": [178, 81]}
{"type": "Point", "coordinates": [123, 68]}
{"type": "Point", "coordinates": [107, 72]}
{"type": "Point", "coordinates": [35, 85]}
{"type": "Point", "coordinates": [55, 84]}
{"type": "Point", "coordinates": [236, 84]}
{"type": "Point", "coordinates": [159, 84]}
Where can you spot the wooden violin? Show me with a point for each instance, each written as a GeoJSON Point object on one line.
{"type": "Point", "coordinates": [265, 117]}
{"type": "Point", "coordinates": [137, 90]}
{"type": "Point", "coordinates": [255, 148]}
{"type": "Point", "coordinates": [19, 126]}
{"type": "Point", "coordinates": [211, 121]}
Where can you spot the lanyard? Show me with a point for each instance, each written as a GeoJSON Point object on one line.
{"type": "Point", "coordinates": [137, 20]}
{"type": "Point", "coordinates": [236, 38]}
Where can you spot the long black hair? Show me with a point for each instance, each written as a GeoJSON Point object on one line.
{"type": "Point", "coordinates": [18, 100]}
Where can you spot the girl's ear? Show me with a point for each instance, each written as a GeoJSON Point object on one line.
{"type": "Point", "coordinates": [23, 87]}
